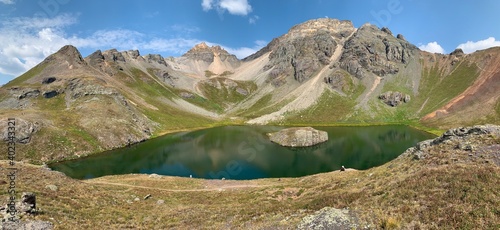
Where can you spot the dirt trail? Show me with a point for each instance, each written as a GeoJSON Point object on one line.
{"type": "Point", "coordinates": [219, 188]}
{"type": "Point", "coordinates": [374, 86]}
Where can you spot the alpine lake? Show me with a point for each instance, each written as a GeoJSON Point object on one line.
{"type": "Point", "coordinates": [245, 152]}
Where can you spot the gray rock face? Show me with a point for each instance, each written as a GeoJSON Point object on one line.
{"type": "Point", "coordinates": [166, 77]}
{"type": "Point", "coordinates": [26, 93]}
{"type": "Point", "coordinates": [394, 98]}
{"type": "Point", "coordinates": [298, 137]}
{"type": "Point", "coordinates": [24, 130]}
{"type": "Point", "coordinates": [337, 81]}
{"type": "Point", "coordinates": [207, 54]}
{"type": "Point", "coordinates": [155, 58]}
{"type": "Point", "coordinates": [301, 56]}
{"type": "Point", "coordinates": [79, 88]}
{"type": "Point", "coordinates": [95, 59]}
{"type": "Point", "coordinates": [306, 48]}
{"type": "Point", "coordinates": [113, 55]}
{"type": "Point", "coordinates": [67, 54]}
{"type": "Point", "coordinates": [375, 51]}
{"type": "Point", "coordinates": [133, 53]}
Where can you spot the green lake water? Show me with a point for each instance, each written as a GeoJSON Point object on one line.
{"type": "Point", "coordinates": [245, 152]}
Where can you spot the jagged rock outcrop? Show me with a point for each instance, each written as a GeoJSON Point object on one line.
{"type": "Point", "coordinates": [67, 54]}
{"type": "Point", "coordinates": [375, 51]}
{"type": "Point", "coordinates": [298, 137]}
{"type": "Point", "coordinates": [305, 49]}
{"type": "Point", "coordinates": [95, 59]}
{"type": "Point", "coordinates": [337, 81]}
{"type": "Point", "coordinates": [458, 52]}
{"type": "Point", "coordinates": [394, 98]}
{"type": "Point", "coordinates": [134, 54]}
{"type": "Point", "coordinates": [79, 88]}
{"type": "Point", "coordinates": [113, 55]}
{"type": "Point", "coordinates": [207, 54]}
{"type": "Point", "coordinates": [155, 58]}
{"type": "Point", "coordinates": [462, 139]}
{"type": "Point", "coordinates": [166, 77]}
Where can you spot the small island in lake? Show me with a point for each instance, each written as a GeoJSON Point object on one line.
{"type": "Point", "coordinates": [298, 137]}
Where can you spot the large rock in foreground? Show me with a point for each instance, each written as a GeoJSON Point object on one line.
{"type": "Point", "coordinates": [298, 137]}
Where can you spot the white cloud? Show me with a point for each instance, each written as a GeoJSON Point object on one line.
{"type": "Point", "coordinates": [470, 46]}
{"type": "Point", "coordinates": [25, 42]}
{"type": "Point", "coordinates": [8, 2]}
{"type": "Point", "coordinates": [253, 19]}
{"type": "Point", "coordinates": [235, 7]}
{"type": "Point", "coordinates": [432, 47]}
{"type": "Point", "coordinates": [207, 4]}
{"type": "Point", "coordinates": [184, 29]}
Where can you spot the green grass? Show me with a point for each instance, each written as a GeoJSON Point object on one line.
{"type": "Point", "coordinates": [439, 90]}
{"type": "Point", "coordinates": [226, 73]}
{"type": "Point", "coordinates": [201, 101]}
{"type": "Point", "coordinates": [56, 104]}
{"type": "Point", "coordinates": [147, 86]}
{"type": "Point", "coordinates": [398, 84]}
{"type": "Point", "coordinates": [77, 131]}
{"type": "Point", "coordinates": [254, 110]}
{"type": "Point", "coordinates": [226, 96]}
{"type": "Point", "coordinates": [209, 73]}
{"type": "Point", "coordinates": [329, 108]}
{"type": "Point", "coordinates": [19, 81]}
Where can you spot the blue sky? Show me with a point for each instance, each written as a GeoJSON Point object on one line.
{"type": "Point", "coordinates": [30, 30]}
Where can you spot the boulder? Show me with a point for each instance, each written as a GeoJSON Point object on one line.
{"type": "Point", "coordinates": [48, 80]}
{"type": "Point", "coordinates": [24, 130]}
{"type": "Point", "coordinates": [187, 95]}
{"type": "Point", "coordinates": [394, 98]}
{"type": "Point", "coordinates": [50, 94]}
{"type": "Point", "coordinates": [28, 203]}
{"type": "Point", "coordinates": [330, 218]}
{"type": "Point", "coordinates": [298, 137]}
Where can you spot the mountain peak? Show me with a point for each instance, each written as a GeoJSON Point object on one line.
{"type": "Point", "coordinates": [207, 53]}
{"type": "Point", "coordinates": [67, 53]}
{"type": "Point", "coordinates": [203, 47]}
{"type": "Point", "coordinates": [314, 25]}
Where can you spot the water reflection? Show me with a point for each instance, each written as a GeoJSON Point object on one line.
{"type": "Point", "coordinates": [244, 152]}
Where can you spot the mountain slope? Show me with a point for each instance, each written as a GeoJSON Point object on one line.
{"type": "Point", "coordinates": [322, 72]}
